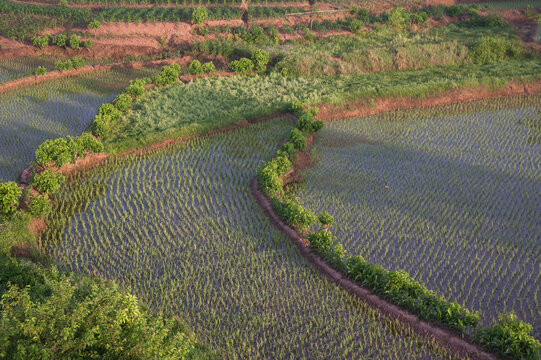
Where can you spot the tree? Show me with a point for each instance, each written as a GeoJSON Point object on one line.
{"type": "Point", "coordinates": [195, 67]}
{"type": "Point", "coordinates": [10, 193]}
{"type": "Point", "coordinates": [123, 102]}
{"type": "Point", "coordinates": [48, 181]}
{"type": "Point", "coordinates": [260, 59]}
{"type": "Point", "coordinates": [39, 205]}
{"type": "Point", "coordinates": [60, 40]}
{"type": "Point", "coordinates": [209, 67]}
{"type": "Point", "coordinates": [75, 42]}
{"type": "Point", "coordinates": [41, 41]}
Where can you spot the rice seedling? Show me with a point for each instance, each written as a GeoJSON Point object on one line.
{"type": "Point", "coordinates": [11, 68]}
{"type": "Point", "coordinates": [179, 227]}
{"type": "Point", "coordinates": [449, 194]}
{"type": "Point", "coordinates": [33, 114]}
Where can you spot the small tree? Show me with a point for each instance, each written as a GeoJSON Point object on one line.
{"type": "Point", "coordinates": [10, 193]}
{"type": "Point", "coordinates": [199, 15]}
{"type": "Point", "coordinates": [123, 102]}
{"type": "Point", "coordinates": [88, 43]}
{"type": "Point", "coordinates": [326, 220]}
{"type": "Point", "coordinates": [77, 62]}
{"type": "Point", "coordinates": [260, 59]}
{"type": "Point", "coordinates": [242, 65]}
{"type": "Point", "coordinates": [48, 181]}
{"type": "Point", "coordinates": [195, 67]}
{"type": "Point", "coordinates": [41, 41]}
{"type": "Point", "coordinates": [209, 67]}
{"type": "Point", "coordinates": [40, 70]}
{"type": "Point", "coordinates": [39, 205]}
{"type": "Point", "coordinates": [60, 40]}
{"type": "Point", "coordinates": [75, 42]}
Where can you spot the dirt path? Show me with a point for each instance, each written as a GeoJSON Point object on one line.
{"type": "Point", "coordinates": [443, 336]}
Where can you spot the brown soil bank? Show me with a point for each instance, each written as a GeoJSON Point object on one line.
{"type": "Point", "coordinates": [372, 106]}
{"type": "Point", "coordinates": [449, 339]}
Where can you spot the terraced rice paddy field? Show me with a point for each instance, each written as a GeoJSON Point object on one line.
{"type": "Point", "coordinates": [180, 227]}
{"type": "Point", "coordinates": [32, 114]}
{"type": "Point", "coordinates": [11, 68]}
{"type": "Point", "coordinates": [450, 194]}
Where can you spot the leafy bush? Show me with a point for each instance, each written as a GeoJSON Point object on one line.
{"type": "Point", "coordinates": [88, 43]}
{"type": "Point", "coordinates": [89, 143]}
{"type": "Point", "coordinates": [56, 151]}
{"type": "Point", "coordinates": [209, 67]}
{"type": "Point", "coordinates": [294, 214]}
{"type": "Point", "coordinates": [242, 65]}
{"type": "Point", "coordinates": [510, 338]}
{"type": "Point", "coordinates": [123, 102]}
{"type": "Point", "coordinates": [60, 40]}
{"type": "Point", "coordinates": [297, 138]}
{"type": "Point", "coordinates": [77, 62]}
{"type": "Point", "coordinates": [41, 41]}
{"type": "Point", "coordinates": [199, 15]}
{"type": "Point", "coordinates": [490, 49]}
{"type": "Point", "coordinates": [137, 87]}
{"type": "Point", "coordinates": [10, 193]}
{"type": "Point", "coordinates": [75, 42]}
{"type": "Point", "coordinates": [94, 24]}
{"type": "Point", "coordinates": [39, 205]}
{"type": "Point", "coordinates": [355, 26]}
{"type": "Point", "coordinates": [289, 150]}
{"type": "Point", "coordinates": [48, 182]}
{"type": "Point", "coordinates": [325, 219]}
{"type": "Point", "coordinates": [399, 18]}
{"type": "Point", "coordinates": [168, 75]}
{"type": "Point", "coordinates": [260, 59]}
{"type": "Point", "coordinates": [453, 10]}
{"type": "Point", "coordinates": [102, 125]}
{"type": "Point", "coordinates": [297, 106]}
{"type": "Point", "coordinates": [40, 70]}
{"type": "Point", "coordinates": [195, 67]}
{"type": "Point", "coordinates": [63, 316]}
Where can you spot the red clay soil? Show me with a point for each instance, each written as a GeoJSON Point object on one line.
{"type": "Point", "coordinates": [97, 5]}
{"type": "Point", "coordinates": [446, 337]}
{"type": "Point", "coordinates": [369, 107]}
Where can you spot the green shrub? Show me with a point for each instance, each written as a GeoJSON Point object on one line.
{"type": "Point", "coordinates": [56, 151]}
{"type": "Point", "coordinates": [41, 41]}
{"type": "Point", "coordinates": [260, 59]}
{"type": "Point", "coordinates": [39, 205]}
{"type": "Point", "coordinates": [209, 67]}
{"type": "Point", "coordinates": [297, 138]}
{"type": "Point", "coordinates": [46, 314]}
{"type": "Point", "coordinates": [453, 10]}
{"type": "Point", "coordinates": [289, 150]}
{"type": "Point", "coordinates": [88, 43]}
{"type": "Point", "coordinates": [102, 125]}
{"type": "Point", "coordinates": [195, 67]}
{"type": "Point", "coordinates": [294, 214]}
{"type": "Point", "coordinates": [510, 338]}
{"type": "Point", "coordinates": [77, 62]}
{"type": "Point", "coordinates": [490, 49]}
{"type": "Point", "coordinates": [10, 193]}
{"type": "Point", "coordinates": [40, 70]}
{"type": "Point", "coordinates": [88, 142]}
{"type": "Point", "coordinates": [75, 42]}
{"type": "Point", "coordinates": [355, 25]}
{"type": "Point", "coordinates": [94, 24]}
{"type": "Point", "coordinates": [242, 65]}
{"type": "Point", "coordinates": [399, 18]}
{"type": "Point", "coordinates": [60, 40]}
{"type": "Point", "coordinates": [297, 106]}
{"type": "Point", "coordinates": [111, 110]}
{"type": "Point", "coordinates": [168, 75]}
{"type": "Point", "coordinates": [137, 87]}
{"type": "Point", "coordinates": [123, 102]}
{"type": "Point", "coordinates": [48, 182]}
{"type": "Point", "coordinates": [60, 65]}
{"type": "Point", "coordinates": [325, 219]}
{"type": "Point", "coordinates": [199, 15]}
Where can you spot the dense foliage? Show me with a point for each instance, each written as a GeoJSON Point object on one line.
{"type": "Point", "coordinates": [48, 314]}
{"type": "Point", "coordinates": [10, 194]}
{"type": "Point", "coordinates": [47, 181]}
{"type": "Point", "coordinates": [199, 15]}
{"type": "Point", "coordinates": [39, 205]}
{"type": "Point", "coordinates": [61, 151]}
{"type": "Point", "coordinates": [195, 67]}
{"type": "Point", "coordinates": [242, 65]}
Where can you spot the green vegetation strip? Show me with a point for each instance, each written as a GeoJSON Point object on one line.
{"type": "Point", "coordinates": [507, 337]}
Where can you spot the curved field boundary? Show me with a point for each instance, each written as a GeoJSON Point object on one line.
{"type": "Point", "coordinates": [57, 74]}
{"type": "Point", "coordinates": [444, 336]}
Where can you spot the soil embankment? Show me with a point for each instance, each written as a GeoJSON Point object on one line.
{"type": "Point", "coordinates": [449, 339]}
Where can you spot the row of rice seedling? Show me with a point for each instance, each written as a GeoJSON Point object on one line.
{"type": "Point", "coordinates": [449, 194]}
{"type": "Point", "coordinates": [179, 227]}
{"type": "Point", "coordinates": [15, 67]}
{"type": "Point", "coordinates": [33, 114]}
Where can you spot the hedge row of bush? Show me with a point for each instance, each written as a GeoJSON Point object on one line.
{"type": "Point", "coordinates": [73, 63]}
{"type": "Point", "coordinates": [197, 68]}
{"type": "Point", "coordinates": [509, 337]}
{"type": "Point", "coordinates": [74, 41]}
